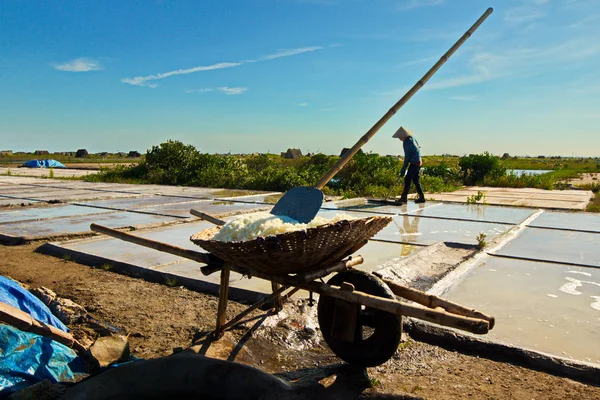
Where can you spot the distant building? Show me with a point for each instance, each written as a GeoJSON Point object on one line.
{"type": "Point", "coordinates": [292, 154]}
{"type": "Point", "coordinates": [81, 153]}
{"type": "Point", "coordinates": [41, 152]}
{"type": "Point", "coordinates": [6, 152]}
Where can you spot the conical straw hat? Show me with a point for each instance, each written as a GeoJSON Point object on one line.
{"type": "Point", "coordinates": [402, 133]}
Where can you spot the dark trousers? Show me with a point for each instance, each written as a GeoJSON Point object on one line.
{"type": "Point", "coordinates": [412, 175]}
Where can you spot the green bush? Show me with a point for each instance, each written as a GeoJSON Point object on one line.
{"type": "Point", "coordinates": [171, 163]}
{"type": "Point", "coordinates": [475, 168]}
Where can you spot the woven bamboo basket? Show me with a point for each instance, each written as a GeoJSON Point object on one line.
{"type": "Point", "coordinates": [294, 252]}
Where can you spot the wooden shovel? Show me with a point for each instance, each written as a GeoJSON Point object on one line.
{"type": "Point", "coordinates": [302, 203]}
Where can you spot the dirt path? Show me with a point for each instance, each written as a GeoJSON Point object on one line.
{"type": "Point", "coordinates": [159, 319]}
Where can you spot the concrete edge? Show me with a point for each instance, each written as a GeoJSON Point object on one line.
{"type": "Point", "coordinates": [240, 295]}
{"type": "Point", "coordinates": [450, 340]}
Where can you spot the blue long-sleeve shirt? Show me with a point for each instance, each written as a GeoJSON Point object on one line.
{"type": "Point", "coordinates": [412, 154]}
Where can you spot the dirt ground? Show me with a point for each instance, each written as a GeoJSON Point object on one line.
{"type": "Point", "coordinates": [586, 178]}
{"type": "Point", "coordinates": [159, 319]}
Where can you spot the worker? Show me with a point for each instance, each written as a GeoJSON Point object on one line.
{"type": "Point", "coordinates": [412, 160]}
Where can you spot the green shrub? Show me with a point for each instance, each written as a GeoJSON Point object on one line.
{"type": "Point", "coordinates": [475, 168]}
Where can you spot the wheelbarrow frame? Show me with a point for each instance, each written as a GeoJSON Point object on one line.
{"type": "Point", "coordinates": [428, 308]}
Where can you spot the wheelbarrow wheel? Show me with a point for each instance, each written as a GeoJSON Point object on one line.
{"type": "Point", "coordinates": [377, 333]}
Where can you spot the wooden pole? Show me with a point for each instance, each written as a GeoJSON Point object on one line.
{"type": "Point", "coordinates": [441, 317]}
{"type": "Point", "coordinates": [319, 273]}
{"type": "Point", "coordinates": [204, 258]}
{"type": "Point", "coordinates": [277, 298]}
{"type": "Point", "coordinates": [23, 321]}
{"type": "Point", "coordinates": [367, 136]}
{"type": "Point", "coordinates": [254, 306]}
{"type": "Point", "coordinates": [437, 316]}
{"type": "Point", "coordinates": [207, 217]}
{"type": "Point", "coordinates": [432, 301]}
{"type": "Point", "coordinates": [223, 298]}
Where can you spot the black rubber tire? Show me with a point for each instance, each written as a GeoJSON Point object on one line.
{"type": "Point", "coordinates": [386, 327]}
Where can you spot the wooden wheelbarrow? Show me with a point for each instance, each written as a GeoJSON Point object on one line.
{"type": "Point", "coordinates": [360, 314]}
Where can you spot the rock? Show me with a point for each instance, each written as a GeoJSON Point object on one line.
{"type": "Point", "coordinates": [108, 350]}
{"type": "Point", "coordinates": [46, 295]}
{"type": "Point", "coordinates": [67, 310]}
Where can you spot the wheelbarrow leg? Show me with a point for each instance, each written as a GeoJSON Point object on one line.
{"type": "Point", "coordinates": [223, 297]}
{"type": "Point", "coordinates": [278, 301]}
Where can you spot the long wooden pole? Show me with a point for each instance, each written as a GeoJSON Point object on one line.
{"type": "Point", "coordinates": [204, 258]}
{"type": "Point", "coordinates": [431, 301]}
{"type": "Point", "coordinates": [367, 136]}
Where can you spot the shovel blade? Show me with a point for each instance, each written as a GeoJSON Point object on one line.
{"type": "Point", "coordinates": [301, 203]}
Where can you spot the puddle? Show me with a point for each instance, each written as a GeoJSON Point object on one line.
{"type": "Point", "coordinates": [477, 213]}
{"type": "Point", "coordinates": [537, 305]}
{"type": "Point", "coordinates": [425, 231]}
{"type": "Point", "coordinates": [73, 225]}
{"type": "Point", "coordinates": [207, 206]}
{"type": "Point", "coordinates": [136, 203]}
{"type": "Point", "coordinates": [564, 220]}
{"type": "Point", "coordinates": [30, 214]}
{"type": "Point", "coordinates": [554, 245]}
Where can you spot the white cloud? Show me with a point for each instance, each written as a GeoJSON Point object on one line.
{"type": "Point", "coordinates": [412, 4]}
{"type": "Point", "coordinates": [202, 90]}
{"type": "Point", "coordinates": [286, 53]}
{"type": "Point", "coordinates": [520, 15]}
{"type": "Point", "coordinates": [418, 61]}
{"type": "Point", "coordinates": [521, 63]}
{"type": "Point", "coordinates": [79, 65]}
{"type": "Point", "coordinates": [141, 80]}
{"type": "Point", "coordinates": [223, 89]}
{"type": "Point", "coordinates": [585, 21]}
{"type": "Point", "coordinates": [232, 90]}
{"type": "Point", "coordinates": [469, 97]}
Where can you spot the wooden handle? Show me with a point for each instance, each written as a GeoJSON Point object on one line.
{"type": "Point", "coordinates": [367, 136]}
{"type": "Point", "coordinates": [435, 302]}
{"type": "Point", "coordinates": [207, 217]}
{"type": "Point", "coordinates": [197, 256]}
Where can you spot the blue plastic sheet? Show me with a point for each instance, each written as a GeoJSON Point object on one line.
{"type": "Point", "coordinates": [43, 164]}
{"type": "Point", "coordinates": [14, 295]}
{"type": "Point", "coordinates": [27, 358]}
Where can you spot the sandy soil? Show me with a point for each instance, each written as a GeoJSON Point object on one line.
{"type": "Point", "coordinates": [586, 178]}
{"type": "Point", "coordinates": [159, 319]}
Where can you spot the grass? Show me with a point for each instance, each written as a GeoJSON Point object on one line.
{"type": "Point", "coordinates": [106, 267]}
{"type": "Point", "coordinates": [374, 382]}
{"type": "Point", "coordinates": [594, 205]}
{"type": "Point", "coordinates": [476, 198]}
{"type": "Point", "coordinates": [171, 282]}
{"type": "Point", "coordinates": [481, 242]}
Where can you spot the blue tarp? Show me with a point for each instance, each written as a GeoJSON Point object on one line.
{"type": "Point", "coordinates": [27, 358]}
{"type": "Point", "coordinates": [13, 294]}
{"type": "Point", "coordinates": [43, 164]}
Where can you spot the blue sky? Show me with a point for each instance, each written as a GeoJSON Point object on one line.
{"type": "Point", "coordinates": [265, 75]}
